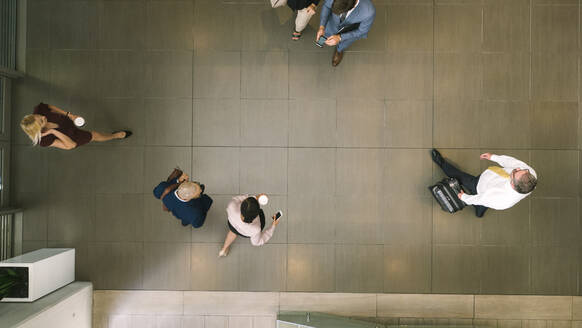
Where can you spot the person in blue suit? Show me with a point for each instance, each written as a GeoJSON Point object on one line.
{"type": "Point", "coordinates": [184, 199]}
{"type": "Point", "coordinates": [344, 21]}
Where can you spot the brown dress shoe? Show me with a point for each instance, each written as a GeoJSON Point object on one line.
{"type": "Point", "coordinates": [174, 175]}
{"type": "Point", "coordinates": [337, 58]}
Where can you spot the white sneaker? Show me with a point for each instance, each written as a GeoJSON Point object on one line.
{"type": "Point", "coordinates": [223, 253]}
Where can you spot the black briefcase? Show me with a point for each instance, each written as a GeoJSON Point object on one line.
{"type": "Point", "coordinates": [445, 192]}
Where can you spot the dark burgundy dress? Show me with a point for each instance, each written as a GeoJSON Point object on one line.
{"type": "Point", "coordinates": [66, 126]}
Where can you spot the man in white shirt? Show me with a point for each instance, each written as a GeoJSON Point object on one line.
{"type": "Point", "coordinates": [497, 187]}
{"type": "Point", "coordinates": [246, 219]}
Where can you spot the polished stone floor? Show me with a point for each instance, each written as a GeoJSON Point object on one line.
{"type": "Point", "coordinates": [219, 89]}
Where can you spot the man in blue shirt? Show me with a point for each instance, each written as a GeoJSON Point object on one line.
{"type": "Point", "coordinates": [184, 198]}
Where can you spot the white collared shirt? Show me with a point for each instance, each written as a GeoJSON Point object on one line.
{"type": "Point", "coordinates": [495, 191]}
{"type": "Point", "coordinates": [253, 229]}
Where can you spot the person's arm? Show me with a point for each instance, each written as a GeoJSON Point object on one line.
{"type": "Point", "coordinates": [62, 142]}
{"type": "Point", "coordinates": [264, 236]}
{"type": "Point", "coordinates": [508, 161]}
{"type": "Point", "coordinates": [362, 30]}
{"type": "Point", "coordinates": [492, 199]}
{"type": "Point", "coordinates": [57, 110]}
{"type": "Point", "coordinates": [325, 12]}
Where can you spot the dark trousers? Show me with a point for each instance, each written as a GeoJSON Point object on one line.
{"type": "Point", "coordinates": [466, 180]}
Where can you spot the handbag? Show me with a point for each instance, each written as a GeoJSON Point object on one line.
{"type": "Point", "coordinates": [278, 3]}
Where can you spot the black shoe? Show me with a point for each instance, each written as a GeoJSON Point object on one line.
{"type": "Point", "coordinates": [437, 157]}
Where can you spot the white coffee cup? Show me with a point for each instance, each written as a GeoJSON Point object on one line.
{"type": "Point", "coordinates": [263, 200]}
{"type": "Point", "coordinates": [79, 121]}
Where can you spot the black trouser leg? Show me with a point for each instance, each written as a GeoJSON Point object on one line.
{"type": "Point", "coordinates": [466, 180]}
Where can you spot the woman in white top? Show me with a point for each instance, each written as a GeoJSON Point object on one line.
{"type": "Point", "coordinates": [246, 219]}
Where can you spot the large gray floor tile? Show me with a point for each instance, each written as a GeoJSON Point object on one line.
{"type": "Point", "coordinates": [359, 171]}
{"type": "Point", "coordinates": [263, 268]}
{"type": "Point", "coordinates": [120, 169]}
{"type": "Point", "coordinates": [168, 122]}
{"type": "Point", "coordinates": [37, 33]}
{"type": "Point", "coordinates": [554, 270]}
{"type": "Point", "coordinates": [505, 270]}
{"type": "Point", "coordinates": [359, 219]}
{"type": "Point", "coordinates": [312, 123]}
{"type": "Point", "coordinates": [409, 75]}
{"type": "Point", "coordinates": [265, 74]}
{"type": "Point", "coordinates": [265, 28]}
{"type": "Point", "coordinates": [121, 73]}
{"type": "Point", "coordinates": [506, 76]}
{"type": "Point", "coordinates": [506, 25]}
{"type": "Point", "coordinates": [507, 227]}
{"type": "Point", "coordinates": [264, 123]}
{"type": "Point", "coordinates": [554, 77]}
{"type": "Point", "coordinates": [407, 268]}
{"type": "Point", "coordinates": [240, 322]}
{"type": "Point", "coordinates": [311, 218]}
{"type": "Point", "coordinates": [160, 226]}
{"type": "Point", "coordinates": [126, 16]}
{"type": "Point", "coordinates": [218, 168]}
{"type": "Point", "coordinates": [35, 217]}
{"type": "Point", "coordinates": [409, 124]}
{"type": "Point", "coordinates": [555, 222]}
{"type": "Point", "coordinates": [461, 228]}
{"type": "Point", "coordinates": [310, 75]}
{"type": "Point", "coordinates": [398, 165]}
{"type": "Point", "coordinates": [458, 76]}
{"type": "Point", "coordinates": [311, 171]}
{"type": "Point", "coordinates": [210, 30]}
{"type": "Point", "coordinates": [30, 168]}
{"type": "Point", "coordinates": [83, 16]}
{"type": "Point", "coordinates": [217, 122]}
{"type": "Point", "coordinates": [117, 114]}
{"type": "Point", "coordinates": [554, 28]}
{"type": "Point", "coordinates": [166, 266]}
{"type": "Point", "coordinates": [499, 128]}
{"type": "Point", "coordinates": [71, 220]}
{"type": "Point", "coordinates": [376, 38]}
{"type": "Point", "coordinates": [446, 129]}
{"type": "Point", "coordinates": [365, 69]}
{"type": "Point", "coordinates": [209, 272]}
{"type": "Point", "coordinates": [118, 217]}
{"type": "Point", "coordinates": [160, 161]}
{"type": "Point", "coordinates": [358, 268]}
{"type": "Point", "coordinates": [311, 268]}
{"type": "Point", "coordinates": [458, 27]}
{"type": "Point", "coordinates": [168, 73]}
{"type": "Point", "coordinates": [216, 74]}
{"type": "Point", "coordinates": [116, 265]}
{"type": "Point", "coordinates": [169, 25]}
{"type": "Point", "coordinates": [73, 73]}
{"type": "Point", "coordinates": [455, 269]}
{"type": "Point", "coordinates": [409, 27]}
{"type": "Point", "coordinates": [557, 168]}
{"type": "Point", "coordinates": [360, 122]}
{"type": "Point", "coordinates": [215, 227]}
{"type": "Point", "coordinates": [407, 220]}
{"type": "Point", "coordinates": [263, 170]}
{"type": "Point", "coordinates": [554, 125]}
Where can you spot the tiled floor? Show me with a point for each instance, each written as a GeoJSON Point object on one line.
{"type": "Point", "coordinates": [219, 89]}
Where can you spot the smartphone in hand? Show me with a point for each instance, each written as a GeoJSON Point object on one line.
{"type": "Point", "coordinates": [278, 215]}
{"type": "Point", "coordinates": [321, 41]}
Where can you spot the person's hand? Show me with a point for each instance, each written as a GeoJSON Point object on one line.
{"type": "Point", "coordinates": [183, 177]}
{"type": "Point", "coordinates": [47, 132]}
{"type": "Point", "coordinates": [485, 156]}
{"type": "Point", "coordinates": [320, 33]}
{"type": "Point", "coordinates": [275, 221]}
{"type": "Point", "coordinates": [333, 40]}
{"type": "Point", "coordinates": [460, 194]}
{"type": "Point", "coordinates": [311, 10]}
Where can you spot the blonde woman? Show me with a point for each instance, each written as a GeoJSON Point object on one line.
{"type": "Point", "coordinates": [50, 126]}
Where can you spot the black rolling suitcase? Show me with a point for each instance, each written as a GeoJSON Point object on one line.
{"type": "Point", "coordinates": [445, 192]}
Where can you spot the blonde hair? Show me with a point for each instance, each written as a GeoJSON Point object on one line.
{"type": "Point", "coordinates": [189, 190]}
{"type": "Point", "coordinates": [32, 127]}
